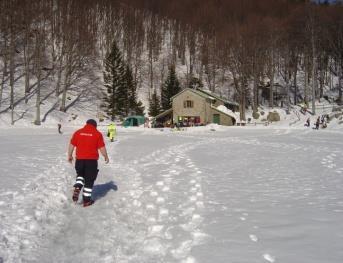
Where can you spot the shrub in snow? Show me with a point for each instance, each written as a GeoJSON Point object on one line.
{"type": "Point", "coordinates": [273, 116]}
{"type": "Point", "coordinates": [338, 115]}
{"type": "Point", "coordinates": [255, 115]}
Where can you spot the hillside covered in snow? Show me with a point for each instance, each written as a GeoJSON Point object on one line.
{"type": "Point", "coordinates": [257, 53]}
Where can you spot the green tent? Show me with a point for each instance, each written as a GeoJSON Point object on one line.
{"type": "Point", "coordinates": [132, 121]}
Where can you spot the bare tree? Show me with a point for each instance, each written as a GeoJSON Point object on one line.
{"type": "Point", "coordinates": [311, 29]}
{"type": "Point", "coordinates": [334, 44]}
{"type": "Point", "coordinates": [78, 45]}
{"type": "Point", "coordinates": [28, 14]}
{"type": "Point", "coordinates": [11, 71]}
{"type": "Point", "coordinates": [39, 53]}
{"type": "Point", "coordinates": [4, 56]}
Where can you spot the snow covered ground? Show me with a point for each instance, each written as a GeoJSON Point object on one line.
{"type": "Point", "coordinates": [214, 195]}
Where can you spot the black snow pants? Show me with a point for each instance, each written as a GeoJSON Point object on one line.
{"type": "Point", "coordinates": [87, 171]}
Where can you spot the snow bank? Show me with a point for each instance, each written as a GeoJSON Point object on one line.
{"type": "Point", "coordinates": [229, 112]}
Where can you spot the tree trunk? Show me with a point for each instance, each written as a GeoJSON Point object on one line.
{"type": "Point", "coordinates": [38, 99]}
{"type": "Point", "coordinates": [255, 94]}
{"type": "Point", "coordinates": [271, 91]}
{"type": "Point", "coordinates": [242, 103]}
{"type": "Point", "coordinates": [64, 92]}
{"type": "Point", "coordinates": [59, 76]}
{"type": "Point", "coordinates": [201, 71]}
{"type": "Point", "coordinates": [340, 84]}
{"type": "Point", "coordinates": [27, 72]}
{"type": "Point", "coordinates": [223, 78]}
{"type": "Point", "coordinates": [287, 77]}
{"type": "Point", "coordinates": [12, 54]}
{"type": "Point", "coordinates": [306, 82]}
{"type": "Point", "coordinates": [151, 75]}
{"type": "Point", "coordinates": [4, 75]}
{"type": "Point", "coordinates": [191, 61]}
{"type": "Point", "coordinates": [66, 84]}
{"type": "Point", "coordinates": [321, 81]}
{"type": "Point", "coordinates": [38, 70]}
{"type": "Point", "coordinates": [239, 83]}
{"type": "Point", "coordinates": [314, 82]}
{"type": "Point", "coordinates": [295, 80]}
{"type": "Point", "coordinates": [214, 77]}
{"type": "Point", "coordinates": [314, 67]}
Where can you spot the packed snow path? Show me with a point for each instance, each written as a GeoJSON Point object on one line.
{"type": "Point", "coordinates": [239, 195]}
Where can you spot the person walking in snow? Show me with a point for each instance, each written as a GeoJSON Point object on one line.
{"type": "Point", "coordinates": [307, 124]}
{"type": "Point", "coordinates": [111, 131]}
{"type": "Point", "coordinates": [322, 119]}
{"type": "Point", "coordinates": [317, 123]}
{"type": "Point", "coordinates": [324, 124]}
{"type": "Point", "coordinates": [88, 141]}
{"type": "Point", "coordinates": [59, 127]}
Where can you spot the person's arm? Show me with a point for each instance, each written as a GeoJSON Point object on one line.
{"type": "Point", "coordinates": [70, 152]}
{"type": "Point", "coordinates": [104, 153]}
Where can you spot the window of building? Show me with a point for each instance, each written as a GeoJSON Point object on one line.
{"type": "Point", "coordinates": [188, 104]}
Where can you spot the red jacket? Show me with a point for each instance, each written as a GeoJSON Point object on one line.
{"type": "Point", "coordinates": [87, 142]}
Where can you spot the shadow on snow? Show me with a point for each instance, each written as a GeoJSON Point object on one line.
{"type": "Point", "coordinates": [101, 190]}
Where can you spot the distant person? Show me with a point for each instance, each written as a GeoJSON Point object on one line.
{"type": "Point", "coordinates": [304, 109]}
{"type": "Point", "coordinates": [308, 122]}
{"type": "Point", "coordinates": [59, 126]}
{"type": "Point", "coordinates": [324, 125]}
{"type": "Point", "coordinates": [111, 131]}
{"type": "Point", "coordinates": [322, 119]}
{"type": "Point", "coordinates": [317, 123]}
{"type": "Point", "coordinates": [327, 118]}
{"type": "Point", "coordinates": [87, 141]}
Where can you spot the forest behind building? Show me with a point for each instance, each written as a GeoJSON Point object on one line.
{"type": "Point", "coordinates": [235, 48]}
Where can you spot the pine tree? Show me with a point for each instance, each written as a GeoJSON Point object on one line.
{"type": "Point", "coordinates": [154, 105]}
{"type": "Point", "coordinates": [170, 88]}
{"type": "Point", "coordinates": [195, 83]}
{"type": "Point", "coordinates": [133, 106]}
{"type": "Point", "coordinates": [131, 87]}
{"type": "Point", "coordinates": [123, 95]}
{"type": "Point", "coordinates": [139, 108]}
{"type": "Point", "coordinates": [114, 82]}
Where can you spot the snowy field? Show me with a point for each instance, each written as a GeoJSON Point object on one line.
{"type": "Point", "coordinates": [233, 195]}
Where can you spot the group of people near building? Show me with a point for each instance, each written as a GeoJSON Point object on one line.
{"type": "Point", "coordinates": [321, 120]}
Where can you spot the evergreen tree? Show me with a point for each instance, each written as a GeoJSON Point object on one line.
{"type": "Point", "coordinates": [154, 105]}
{"type": "Point", "coordinates": [195, 83]}
{"type": "Point", "coordinates": [131, 88]}
{"type": "Point", "coordinates": [124, 92]}
{"type": "Point", "coordinates": [170, 88]}
{"type": "Point", "coordinates": [114, 73]}
{"type": "Point", "coordinates": [139, 108]}
{"type": "Point", "coordinates": [133, 106]}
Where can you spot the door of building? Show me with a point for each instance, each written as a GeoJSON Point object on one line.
{"type": "Point", "coordinates": [216, 118]}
